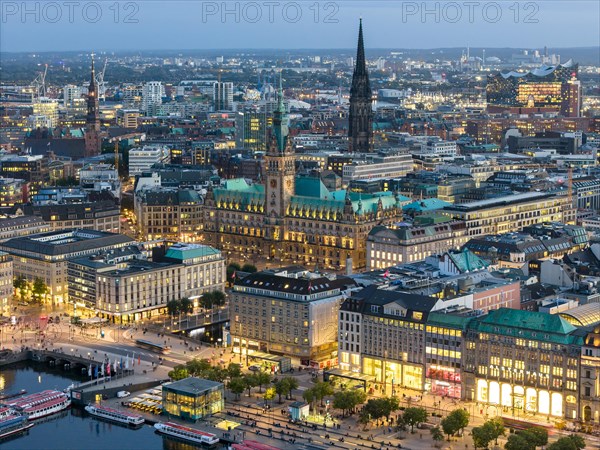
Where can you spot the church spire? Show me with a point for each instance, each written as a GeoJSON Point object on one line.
{"type": "Point", "coordinates": [361, 64]}
{"type": "Point", "coordinates": [360, 125]}
{"type": "Point", "coordinates": [92, 120]}
{"type": "Point", "coordinates": [280, 123]}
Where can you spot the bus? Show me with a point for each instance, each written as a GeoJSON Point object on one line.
{"type": "Point", "coordinates": [160, 348]}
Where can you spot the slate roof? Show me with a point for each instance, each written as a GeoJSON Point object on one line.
{"type": "Point", "coordinates": [371, 295]}
{"type": "Point", "coordinates": [74, 242]}
{"type": "Point", "coordinates": [301, 286]}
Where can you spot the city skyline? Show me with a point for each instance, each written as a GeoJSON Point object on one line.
{"type": "Point", "coordinates": [293, 25]}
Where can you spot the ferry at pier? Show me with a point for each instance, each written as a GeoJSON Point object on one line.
{"type": "Point", "coordinates": [115, 415]}
{"type": "Point", "coordinates": [186, 433]}
{"type": "Point", "coordinates": [13, 424]}
{"type": "Point", "coordinates": [40, 404]}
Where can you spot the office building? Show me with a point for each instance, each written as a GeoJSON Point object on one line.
{"type": "Point", "coordinates": [429, 235]}
{"type": "Point", "coordinates": [170, 214]}
{"type": "Point", "coordinates": [48, 108]}
{"type": "Point", "coordinates": [288, 311]}
{"type": "Point", "coordinates": [377, 166]}
{"type": "Point", "coordinates": [251, 130]}
{"type": "Point", "coordinates": [223, 96]}
{"type": "Point", "coordinates": [589, 383]}
{"type": "Point", "coordinates": [100, 177]}
{"type": "Point", "coordinates": [45, 255]}
{"type": "Point", "coordinates": [512, 212]}
{"type": "Point", "coordinates": [142, 159]}
{"type": "Point", "coordinates": [17, 226]}
{"type": "Point", "coordinates": [72, 94]}
{"type": "Point", "coordinates": [524, 361]}
{"type": "Point", "coordinates": [128, 118]}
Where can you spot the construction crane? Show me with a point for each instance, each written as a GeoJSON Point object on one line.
{"type": "Point", "coordinates": [100, 82]}
{"type": "Point", "coordinates": [39, 85]}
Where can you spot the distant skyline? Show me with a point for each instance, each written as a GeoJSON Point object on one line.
{"type": "Point", "coordinates": [190, 25]}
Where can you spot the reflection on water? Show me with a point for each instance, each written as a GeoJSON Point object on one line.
{"type": "Point", "coordinates": [74, 429]}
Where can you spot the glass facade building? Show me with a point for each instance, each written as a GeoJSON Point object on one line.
{"type": "Point", "coordinates": [193, 398]}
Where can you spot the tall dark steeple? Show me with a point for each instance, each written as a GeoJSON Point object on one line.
{"type": "Point", "coordinates": [360, 122]}
{"type": "Point", "coordinates": [92, 120]}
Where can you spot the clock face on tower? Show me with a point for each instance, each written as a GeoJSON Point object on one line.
{"type": "Point", "coordinates": [273, 183]}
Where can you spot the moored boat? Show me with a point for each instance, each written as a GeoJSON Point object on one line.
{"type": "Point", "coordinates": [186, 433]}
{"type": "Point", "coordinates": [40, 404]}
{"type": "Point", "coordinates": [115, 415]}
{"type": "Point", "coordinates": [13, 424]}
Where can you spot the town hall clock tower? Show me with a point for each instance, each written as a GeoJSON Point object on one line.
{"type": "Point", "coordinates": [280, 175]}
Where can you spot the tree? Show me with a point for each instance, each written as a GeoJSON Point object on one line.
{"type": "Point", "coordinates": [262, 378]}
{"type": "Point", "coordinates": [218, 298]}
{"type": "Point", "coordinates": [173, 307]}
{"type": "Point", "coordinates": [293, 385]}
{"type": "Point", "coordinates": [414, 416]}
{"type": "Point", "coordinates": [39, 290]}
{"type": "Point", "coordinates": [538, 435]}
{"type": "Point", "coordinates": [212, 299]}
{"type": "Point", "coordinates": [197, 367]}
{"type": "Point", "coordinates": [178, 373]}
{"type": "Point", "coordinates": [250, 268]}
{"type": "Point", "coordinates": [348, 400]}
{"type": "Point", "coordinates": [269, 394]}
{"type": "Point", "coordinates": [234, 370]}
{"type": "Point", "coordinates": [450, 425]}
{"type": "Point", "coordinates": [310, 396]}
{"type": "Point", "coordinates": [572, 442]}
{"type": "Point", "coordinates": [20, 285]}
{"type": "Point", "coordinates": [282, 388]}
{"type": "Point", "coordinates": [186, 305]}
{"type": "Point", "coordinates": [436, 434]}
{"type": "Point", "coordinates": [461, 417]}
{"type": "Point", "coordinates": [482, 436]}
{"type": "Point", "coordinates": [237, 386]}
{"type": "Point", "coordinates": [496, 428]}
{"type": "Point", "coordinates": [519, 442]}
{"type": "Point", "coordinates": [250, 382]}
{"type": "Point", "coordinates": [322, 390]}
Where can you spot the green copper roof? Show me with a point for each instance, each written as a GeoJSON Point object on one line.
{"type": "Point", "coordinates": [190, 251]}
{"type": "Point", "coordinates": [467, 261]}
{"type": "Point", "coordinates": [311, 187]}
{"type": "Point", "coordinates": [427, 204]}
{"type": "Point", "coordinates": [448, 321]}
{"type": "Point", "coordinates": [527, 325]}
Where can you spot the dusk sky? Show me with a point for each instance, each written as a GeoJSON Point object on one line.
{"type": "Point", "coordinates": [388, 24]}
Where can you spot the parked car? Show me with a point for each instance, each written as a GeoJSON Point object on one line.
{"type": "Point", "coordinates": [254, 368]}
{"type": "Point", "coordinates": [123, 394]}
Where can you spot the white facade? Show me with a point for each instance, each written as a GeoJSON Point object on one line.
{"type": "Point", "coordinates": [100, 177]}
{"type": "Point", "coordinates": [141, 160]}
{"type": "Point", "coordinates": [396, 166]}
{"type": "Point", "coordinates": [152, 94]}
{"type": "Point", "coordinates": [71, 93]}
{"type": "Point", "coordinates": [439, 148]}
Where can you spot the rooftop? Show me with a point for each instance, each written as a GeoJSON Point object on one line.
{"type": "Point", "coordinates": [64, 242]}
{"type": "Point", "coordinates": [192, 385]}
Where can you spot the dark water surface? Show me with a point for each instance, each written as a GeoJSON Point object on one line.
{"type": "Point", "coordinates": [73, 429]}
